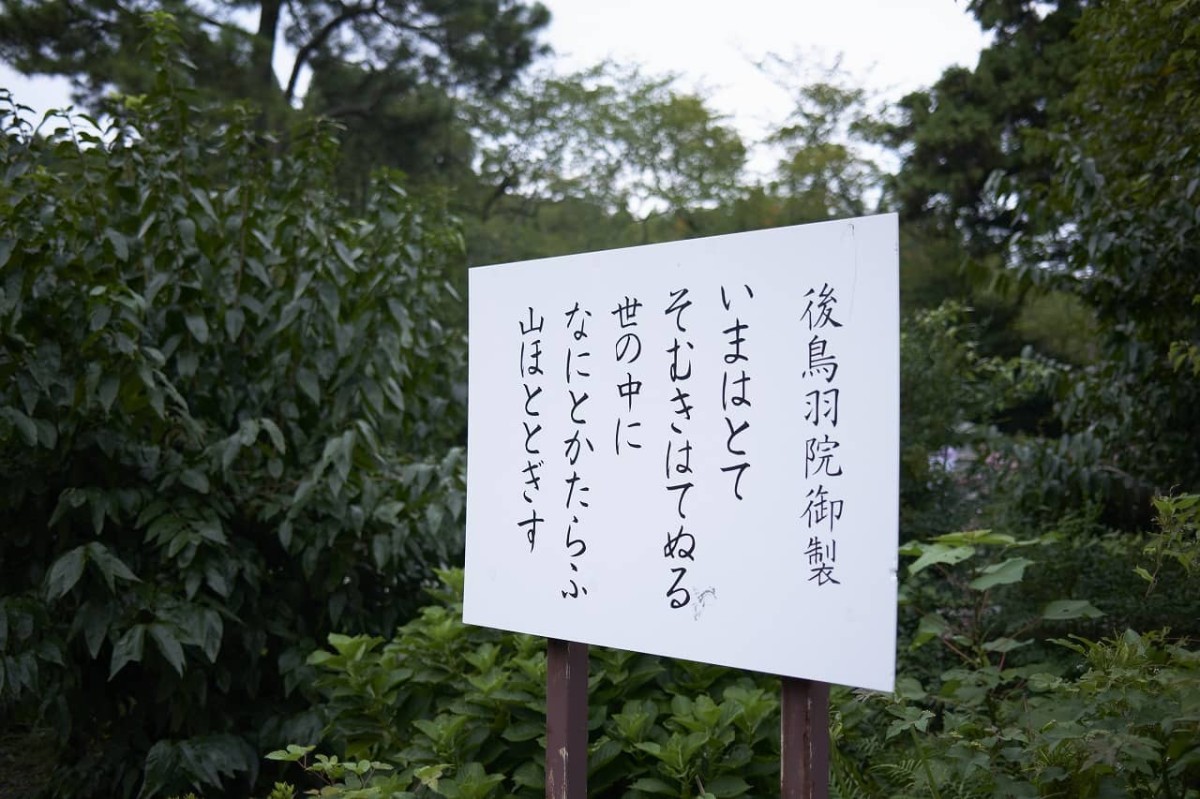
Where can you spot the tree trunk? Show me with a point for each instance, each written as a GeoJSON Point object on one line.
{"type": "Point", "coordinates": [264, 51]}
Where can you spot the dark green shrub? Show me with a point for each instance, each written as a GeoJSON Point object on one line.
{"type": "Point", "coordinates": [445, 702]}
{"type": "Point", "coordinates": [1017, 703]}
{"type": "Point", "coordinates": [229, 412]}
{"type": "Point", "coordinates": [1020, 703]}
{"type": "Point", "coordinates": [942, 381]}
{"type": "Point", "coordinates": [1121, 721]}
{"type": "Point", "coordinates": [457, 711]}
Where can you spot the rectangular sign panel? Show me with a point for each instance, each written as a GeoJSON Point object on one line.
{"type": "Point", "coordinates": [691, 449]}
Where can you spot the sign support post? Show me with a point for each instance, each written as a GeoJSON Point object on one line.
{"type": "Point", "coordinates": [804, 750]}
{"type": "Point", "coordinates": [566, 719]}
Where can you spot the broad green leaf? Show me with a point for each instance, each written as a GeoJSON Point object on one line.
{"type": "Point", "coordinates": [1003, 645]}
{"type": "Point", "coordinates": [908, 717]}
{"type": "Point", "coordinates": [655, 786]}
{"type": "Point", "coordinates": [285, 534]}
{"type": "Point", "coordinates": [99, 317]}
{"type": "Point", "coordinates": [65, 573]}
{"type": "Point", "coordinates": [910, 688]}
{"type": "Point", "coordinates": [1005, 573]}
{"type": "Point", "coordinates": [210, 639]}
{"type": "Point", "coordinates": [975, 538]}
{"type": "Point", "coordinates": [47, 433]}
{"type": "Point", "coordinates": [211, 529]}
{"type": "Point", "coordinates": [49, 651]}
{"type": "Point", "coordinates": [302, 283]}
{"type": "Point", "coordinates": [129, 647]}
{"type": "Point", "coordinates": [229, 454]}
{"type": "Point", "coordinates": [160, 767]}
{"type": "Point", "coordinates": [119, 243]}
{"type": "Point", "coordinates": [524, 731]}
{"type": "Point", "coordinates": [146, 223]}
{"type": "Point", "coordinates": [99, 508]}
{"type": "Point", "coordinates": [235, 320]}
{"type": "Point", "coordinates": [1066, 609]}
{"type": "Point", "coordinates": [293, 753]}
{"type": "Point", "coordinates": [304, 490]}
{"type": "Point", "coordinates": [328, 295]}
{"type": "Point", "coordinates": [202, 198]}
{"type": "Point", "coordinates": [940, 553]}
{"type": "Point", "coordinates": [198, 326]}
{"type": "Point", "coordinates": [195, 480]}
{"type": "Point", "coordinates": [111, 567]}
{"type": "Point", "coordinates": [727, 786]}
{"type": "Point", "coordinates": [381, 550]}
{"type": "Point", "coordinates": [932, 626]}
{"type": "Point", "coordinates": [532, 775]}
{"type": "Point", "coordinates": [93, 619]}
{"type": "Point", "coordinates": [247, 434]}
{"type": "Point", "coordinates": [651, 748]}
{"type": "Point", "coordinates": [70, 498]}
{"type": "Point", "coordinates": [24, 425]}
{"type": "Point", "coordinates": [168, 645]}
{"type": "Point", "coordinates": [343, 252]}
{"type": "Point", "coordinates": [275, 434]}
{"type": "Point", "coordinates": [309, 385]}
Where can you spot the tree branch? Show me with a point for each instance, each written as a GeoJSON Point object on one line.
{"type": "Point", "coordinates": [494, 196]}
{"type": "Point", "coordinates": [321, 36]}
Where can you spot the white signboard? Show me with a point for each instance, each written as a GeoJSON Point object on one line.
{"type": "Point", "coordinates": [691, 449]}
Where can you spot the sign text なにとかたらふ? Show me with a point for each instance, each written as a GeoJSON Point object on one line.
{"type": "Point", "coordinates": [691, 449]}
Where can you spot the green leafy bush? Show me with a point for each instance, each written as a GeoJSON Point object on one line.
{"type": "Point", "coordinates": [942, 378]}
{"type": "Point", "coordinates": [997, 695]}
{"type": "Point", "coordinates": [1123, 722]}
{"type": "Point", "coordinates": [460, 711]}
{"type": "Point", "coordinates": [1020, 704]}
{"type": "Point", "coordinates": [1112, 221]}
{"type": "Point", "coordinates": [230, 413]}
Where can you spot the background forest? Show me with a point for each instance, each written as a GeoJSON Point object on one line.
{"type": "Point", "coordinates": [233, 399]}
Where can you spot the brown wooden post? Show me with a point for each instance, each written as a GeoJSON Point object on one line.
{"type": "Point", "coordinates": [804, 770]}
{"type": "Point", "coordinates": [566, 719]}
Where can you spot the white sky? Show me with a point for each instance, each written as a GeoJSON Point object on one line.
{"type": "Point", "coordinates": [890, 46]}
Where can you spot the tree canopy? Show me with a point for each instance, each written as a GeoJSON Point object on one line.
{"type": "Point", "coordinates": [392, 45]}
{"type": "Point", "coordinates": [389, 71]}
{"type": "Point", "coordinates": [972, 125]}
{"type": "Point", "coordinates": [631, 145]}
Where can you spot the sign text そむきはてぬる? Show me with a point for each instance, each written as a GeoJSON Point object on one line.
{"type": "Point", "coordinates": [691, 449]}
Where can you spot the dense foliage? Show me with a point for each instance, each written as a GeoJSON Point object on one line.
{"type": "Point", "coordinates": [1061, 172]}
{"type": "Point", "coordinates": [456, 706]}
{"type": "Point", "coordinates": [973, 124]}
{"type": "Point", "coordinates": [232, 394]}
{"type": "Point", "coordinates": [381, 47]}
{"type": "Point", "coordinates": [1123, 208]}
{"type": "Point", "coordinates": [391, 73]}
{"type": "Point", "coordinates": [1016, 703]}
{"type": "Point", "coordinates": [230, 415]}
